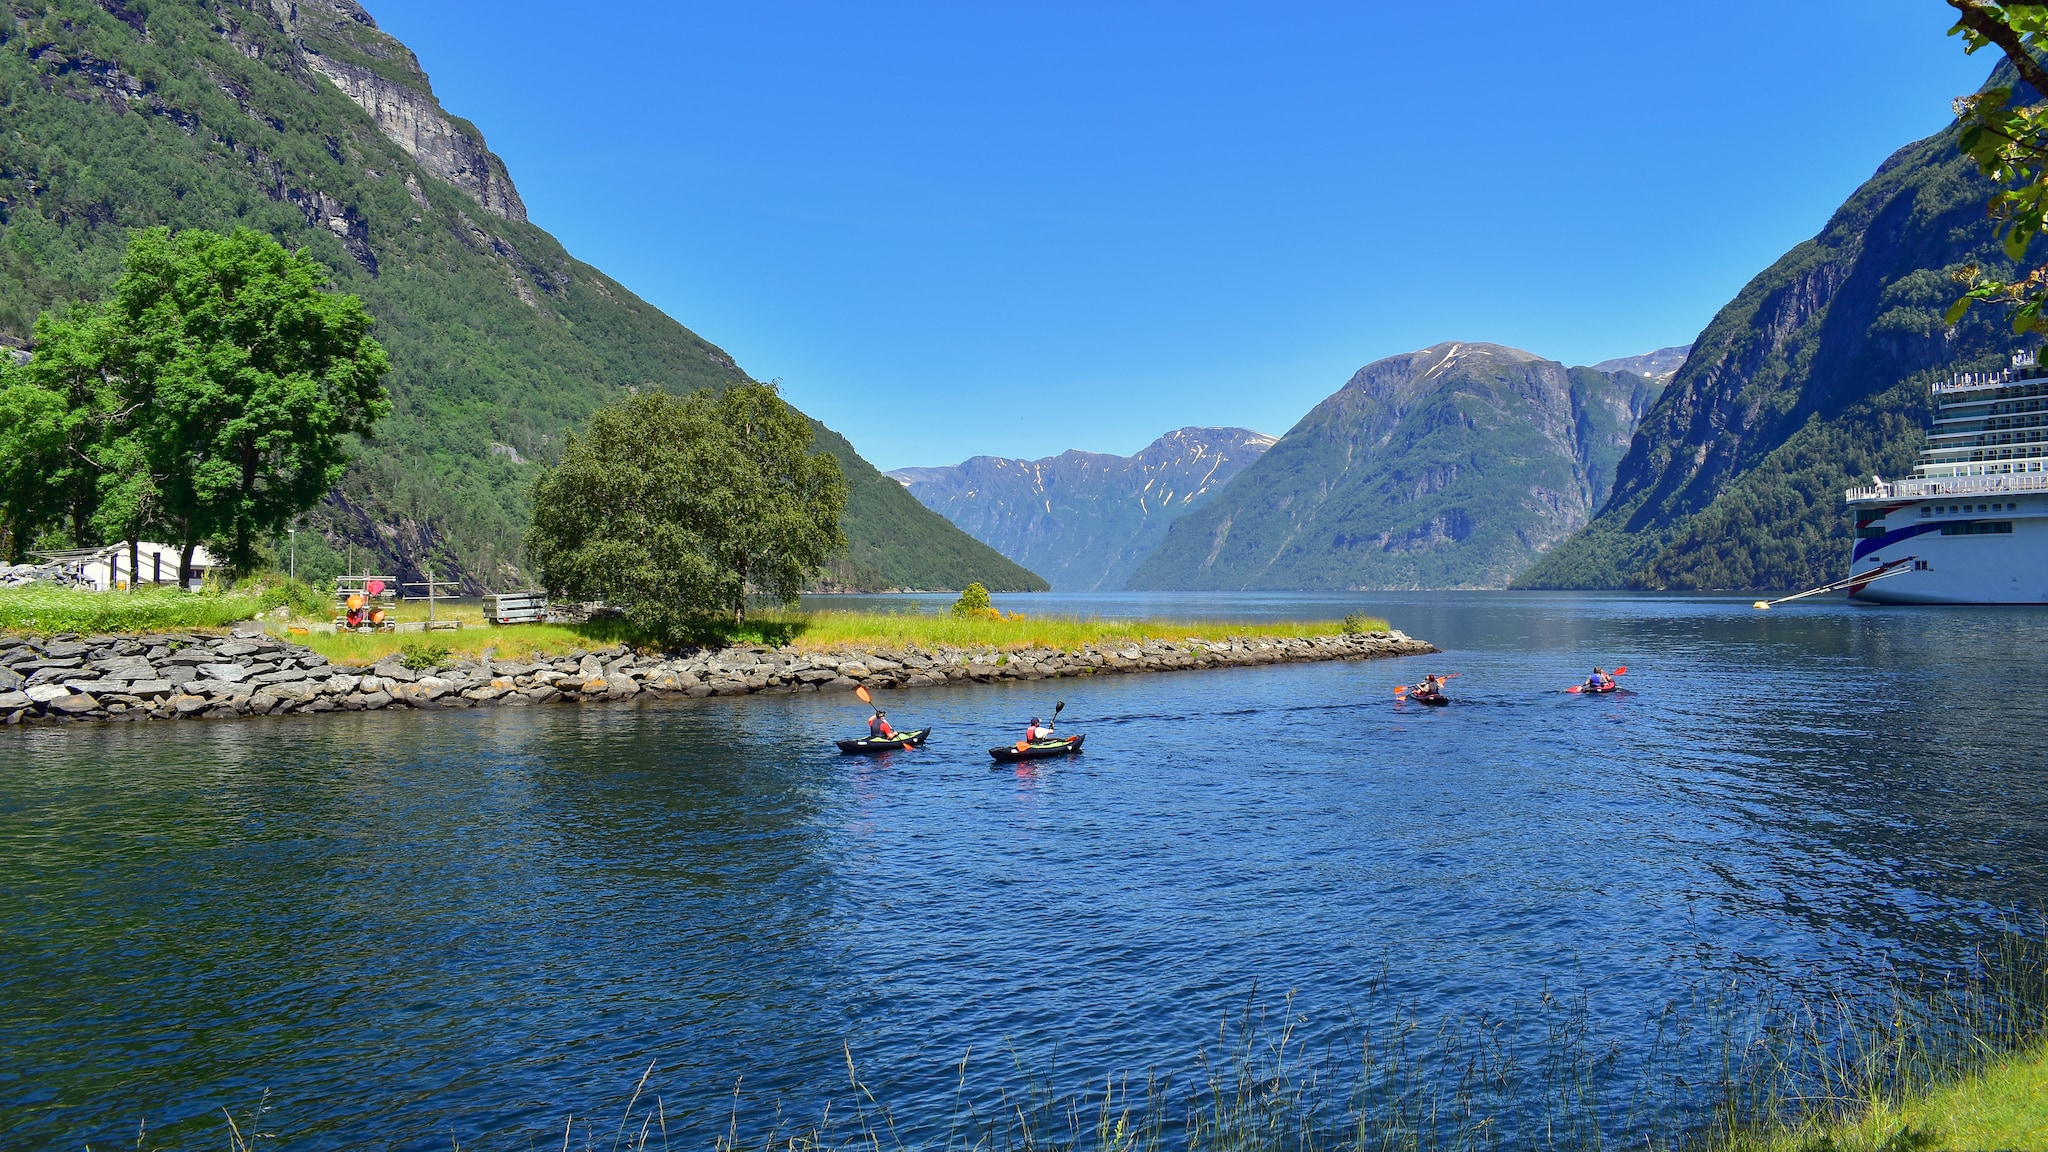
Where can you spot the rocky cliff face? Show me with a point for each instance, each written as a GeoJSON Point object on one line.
{"type": "Point", "coordinates": [1814, 376]}
{"type": "Point", "coordinates": [1085, 520]}
{"type": "Point", "coordinates": [339, 40]}
{"type": "Point", "coordinates": [1451, 467]}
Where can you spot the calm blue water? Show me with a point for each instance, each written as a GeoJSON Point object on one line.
{"type": "Point", "coordinates": [408, 928]}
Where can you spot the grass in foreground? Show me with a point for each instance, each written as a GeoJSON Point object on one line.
{"type": "Point", "coordinates": [2002, 1106]}
{"type": "Point", "coordinates": [42, 610]}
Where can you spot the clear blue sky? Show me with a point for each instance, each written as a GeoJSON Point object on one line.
{"type": "Point", "coordinates": [954, 229]}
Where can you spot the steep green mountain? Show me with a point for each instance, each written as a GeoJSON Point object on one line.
{"type": "Point", "coordinates": [1085, 520]}
{"type": "Point", "coordinates": [303, 120]}
{"type": "Point", "coordinates": [1813, 378]}
{"type": "Point", "coordinates": [1452, 467]}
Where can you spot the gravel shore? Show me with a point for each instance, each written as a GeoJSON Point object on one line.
{"type": "Point", "coordinates": [174, 676]}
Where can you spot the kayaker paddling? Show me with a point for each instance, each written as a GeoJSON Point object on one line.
{"type": "Point", "coordinates": [1038, 742]}
{"type": "Point", "coordinates": [1600, 683]}
{"type": "Point", "coordinates": [881, 736]}
{"type": "Point", "coordinates": [1430, 691]}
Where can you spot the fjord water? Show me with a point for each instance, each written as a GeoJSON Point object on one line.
{"type": "Point", "coordinates": [410, 928]}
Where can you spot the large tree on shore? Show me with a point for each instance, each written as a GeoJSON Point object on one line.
{"type": "Point", "coordinates": [675, 508]}
{"type": "Point", "coordinates": [242, 378]}
{"type": "Point", "coordinates": [210, 397]}
{"type": "Point", "coordinates": [55, 413]}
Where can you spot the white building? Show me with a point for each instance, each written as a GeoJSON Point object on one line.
{"type": "Point", "coordinates": [108, 567]}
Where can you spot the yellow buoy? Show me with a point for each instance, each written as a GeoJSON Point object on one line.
{"type": "Point", "coordinates": [1761, 604]}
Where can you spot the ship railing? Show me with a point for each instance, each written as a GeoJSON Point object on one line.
{"type": "Point", "coordinates": [1935, 486]}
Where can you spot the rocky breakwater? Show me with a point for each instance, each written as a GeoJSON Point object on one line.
{"type": "Point", "coordinates": [248, 673]}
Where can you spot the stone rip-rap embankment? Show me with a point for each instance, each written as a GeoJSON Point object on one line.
{"type": "Point", "coordinates": [249, 673]}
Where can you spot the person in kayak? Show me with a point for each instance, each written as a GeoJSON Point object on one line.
{"type": "Point", "coordinates": [1037, 731]}
{"type": "Point", "coordinates": [1599, 681]}
{"type": "Point", "coordinates": [878, 725]}
{"type": "Point", "coordinates": [1432, 685]}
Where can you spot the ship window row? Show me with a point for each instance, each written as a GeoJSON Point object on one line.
{"type": "Point", "coordinates": [1978, 528]}
{"type": "Point", "coordinates": [1964, 509]}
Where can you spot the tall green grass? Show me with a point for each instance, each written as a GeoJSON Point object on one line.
{"type": "Point", "coordinates": [41, 610]}
{"type": "Point", "coordinates": [1735, 1068]}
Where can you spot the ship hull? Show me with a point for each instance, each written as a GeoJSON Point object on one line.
{"type": "Point", "coordinates": [1981, 567]}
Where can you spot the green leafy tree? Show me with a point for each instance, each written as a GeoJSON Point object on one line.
{"type": "Point", "coordinates": [2009, 143]}
{"type": "Point", "coordinates": [55, 412]}
{"type": "Point", "coordinates": [776, 503]}
{"type": "Point", "coordinates": [621, 518]}
{"type": "Point", "coordinates": [239, 379]}
{"type": "Point", "coordinates": [673, 508]}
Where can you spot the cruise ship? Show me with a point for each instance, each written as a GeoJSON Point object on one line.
{"type": "Point", "coordinates": [1971, 526]}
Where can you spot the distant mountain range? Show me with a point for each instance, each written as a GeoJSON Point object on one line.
{"type": "Point", "coordinates": [1085, 520]}
{"type": "Point", "coordinates": [1813, 378]}
{"type": "Point", "coordinates": [1468, 465]}
{"type": "Point", "coordinates": [1660, 365]}
{"type": "Point", "coordinates": [306, 121]}
{"type": "Point", "coordinates": [1451, 467]}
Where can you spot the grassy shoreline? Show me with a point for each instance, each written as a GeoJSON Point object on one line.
{"type": "Point", "coordinates": [48, 611]}
{"type": "Point", "coordinates": [2003, 1105]}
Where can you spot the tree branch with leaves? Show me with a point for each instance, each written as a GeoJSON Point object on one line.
{"type": "Point", "coordinates": [2009, 143]}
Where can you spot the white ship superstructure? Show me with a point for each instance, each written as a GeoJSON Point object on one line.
{"type": "Point", "coordinates": [1971, 526]}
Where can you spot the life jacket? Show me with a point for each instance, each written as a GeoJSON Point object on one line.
{"type": "Point", "coordinates": [1035, 733]}
{"type": "Point", "coordinates": [879, 727]}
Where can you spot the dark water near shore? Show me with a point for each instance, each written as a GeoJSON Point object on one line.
{"type": "Point", "coordinates": [471, 924]}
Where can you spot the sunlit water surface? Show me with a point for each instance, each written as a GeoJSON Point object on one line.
{"type": "Point", "coordinates": [416, 927]}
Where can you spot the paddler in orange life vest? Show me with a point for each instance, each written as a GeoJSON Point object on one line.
{"type": "Point", "coordinates": [1037, 731]}
{"type": "Point", "coordinates": [878, 725]}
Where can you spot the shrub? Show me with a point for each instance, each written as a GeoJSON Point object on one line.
{"type": "Point", "coordinates": [1356, 624]}
{"type": "Point", "coordinates": [974, 604]}
{"type": "Point", "coordinates": [420, 655]}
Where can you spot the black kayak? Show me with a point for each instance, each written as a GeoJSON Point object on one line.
{"type": "Point", "coordinates": [1040, 750]}
{"type": "Point", "coordinates": [868, 745]}
{"type": "Point", "coordinates": [1430, 699]}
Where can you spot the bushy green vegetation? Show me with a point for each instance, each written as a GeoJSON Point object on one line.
{"type": "Point", "coordinates": [673, 509]}
{"type": "Point", "coordinates": [1811, 380]}
{"type": "Point", "coordinates": [210, 398]}
{"type": "Point", "coordinates": [973, 602]}
{"type": "Point", "coordinates": [499, 341]}
{"type": "Point", "coordinates": [1444, 469]}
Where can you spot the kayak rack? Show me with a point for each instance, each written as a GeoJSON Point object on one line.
{"type": "Point", "coordinates": [1905, 564]}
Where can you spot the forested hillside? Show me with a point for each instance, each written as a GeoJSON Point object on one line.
{"type": "Point", "coordinates": [1451, 467]}
{"type": "Point", "coordinates": [308, 123]}
{"type": "Point", "coordinates": [1813, 378]}
{"type": "Point", "coordinates": [1086, 520]}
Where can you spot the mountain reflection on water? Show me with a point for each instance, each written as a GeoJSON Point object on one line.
{"type": "Point", "coordinates": [411, 927]}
